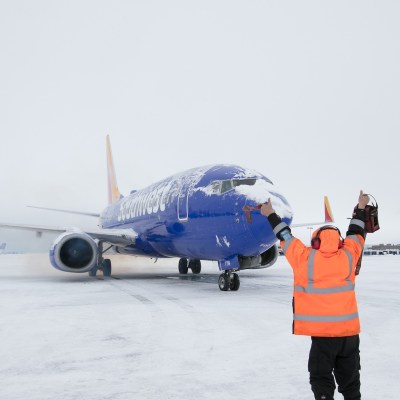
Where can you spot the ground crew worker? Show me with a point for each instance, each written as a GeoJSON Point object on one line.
{"type": "Point", "coordinates": [324, 302]}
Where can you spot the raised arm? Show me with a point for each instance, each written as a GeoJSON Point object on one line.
{"type": "Point", "coordinates": [281, 229]}
{"type": "Point", "coordinates": [357, 223]}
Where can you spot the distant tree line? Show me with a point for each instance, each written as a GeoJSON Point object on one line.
{"type": "Point", "coordinates": [384, 246]}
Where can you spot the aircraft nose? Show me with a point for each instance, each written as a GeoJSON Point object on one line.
{"type": "Point", "coordinates": [261, 229]}
{"type": "Point", "coordinates": [257, 223]}
{"type": "Point", "coordinates": [260, 192]}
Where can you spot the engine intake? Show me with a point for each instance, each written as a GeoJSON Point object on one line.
{"type": "Point", "coordinates": [74, 252]}
{"type": "Point", "coordinates": [263, 260]}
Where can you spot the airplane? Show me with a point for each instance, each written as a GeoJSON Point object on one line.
{"type": "Point", "coordinates": [205, 213]}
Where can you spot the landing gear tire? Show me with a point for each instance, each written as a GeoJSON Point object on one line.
{"type": "Point", "coordinates": [235, 282]}
{"type": "Point", "coordinates": [106, 266]}
{"type": "Point", "coordinates": [93, 272]}
{"type": "Point", "coordinates": [224, 282]}
{"type": "Point", "coordinates": [229, 281]}
{"type": "Point", "coordinates": [183, 266]}
{"type": "Point", "coordinates": [195, 266]}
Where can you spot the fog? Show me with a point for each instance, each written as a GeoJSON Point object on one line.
{"type": "Point", "coordinates": [306, 93]}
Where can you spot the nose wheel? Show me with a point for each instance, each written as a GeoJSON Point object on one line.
{"type": "Point", "coordinates": [229, 281]}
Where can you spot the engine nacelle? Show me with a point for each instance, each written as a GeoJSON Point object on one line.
{"type": "Point", "coordinates": [74, 252]}
{"type": "Point", "coordinates": [263, 260]}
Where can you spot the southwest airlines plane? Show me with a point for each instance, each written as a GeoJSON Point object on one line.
{"type": "Point", "coordinates": [205, 213]}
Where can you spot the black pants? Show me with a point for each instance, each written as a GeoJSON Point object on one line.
{"type": "Point", "coordinates": [338, 356]}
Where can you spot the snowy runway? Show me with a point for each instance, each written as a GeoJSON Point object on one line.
{"type": "Point", "coordinates": [147, 333]}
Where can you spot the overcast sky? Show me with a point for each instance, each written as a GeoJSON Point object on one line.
{"type": "Point", "coordinates": [305, 92]}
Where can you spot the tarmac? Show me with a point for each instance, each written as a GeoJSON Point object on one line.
{"type": "Point", "coordinates": [149, 333]}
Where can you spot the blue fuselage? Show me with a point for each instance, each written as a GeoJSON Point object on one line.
{"type": "Point", "coordinates": [199, 214]}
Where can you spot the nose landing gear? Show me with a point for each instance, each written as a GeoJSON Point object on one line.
{"type": "Point", "coordinates": [229, 281]}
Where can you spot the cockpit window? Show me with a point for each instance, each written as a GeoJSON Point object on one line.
{"type": "Point", "coordinates": [220, 187]}
{"type": "Point", "coordinates": [248, 182]}
{"type": "Point", "coordinates": [216, 187]}
{"type": "Point", "coordinates": [226, 186]}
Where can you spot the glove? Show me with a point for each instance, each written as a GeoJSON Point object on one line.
{"type": "Point", "coordinates": [359, 213]}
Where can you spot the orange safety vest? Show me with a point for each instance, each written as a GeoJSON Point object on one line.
{"type": "Point", "coordinates": [324, 301]}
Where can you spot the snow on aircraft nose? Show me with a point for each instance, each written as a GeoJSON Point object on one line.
{"type": "Point", "coordinates": [257, 194]}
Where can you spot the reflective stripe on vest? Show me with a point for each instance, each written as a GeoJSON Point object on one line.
{"type": "Point", "coordinates": [287, 244]}
{"type": "Point", "coordinates": [358, 222]}
{"type": "Point", "coordinates": [355, 238]}
{"type": "Point", "coordinates": [326, 318]}
{"type": "Point", "coordinates": [310, 275]}
{"type": "Point", "coordinates": [280, 227]}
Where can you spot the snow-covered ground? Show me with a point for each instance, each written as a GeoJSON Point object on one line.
{"type": "Point", "coordinates": [148, 334]}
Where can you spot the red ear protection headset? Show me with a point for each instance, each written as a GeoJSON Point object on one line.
{"type": "Point", "coordinates": [316, 241]}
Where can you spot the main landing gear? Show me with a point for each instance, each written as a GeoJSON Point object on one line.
{"type": "Point", "coordinates": [184, 266]}
{"type": "Point", "coordinates": [229, 281]}
{"type": "Point", "coordinates": [103, 264]}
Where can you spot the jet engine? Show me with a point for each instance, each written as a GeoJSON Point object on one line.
{"type": "Point", "coordinates": [74, 252]}
{"type": "Point", "coordinates": [263, 260]}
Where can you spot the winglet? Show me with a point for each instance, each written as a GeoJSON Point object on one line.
{"type": "Point", "coordinates": [113, 192]}
{"type": "Point", "coordinates": [328, 211]}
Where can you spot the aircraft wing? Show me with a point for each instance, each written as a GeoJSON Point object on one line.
{"type": "Point", "coordinates": [119, 237]}
{"type": "Point", "coordinates": [35, 228]}
{"type": "Point", "coordinates": [89, 214]}
{"type": "Point", "coordinates": [328, 216]}
{"type": "Point", "coordinates": [309, 224]}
